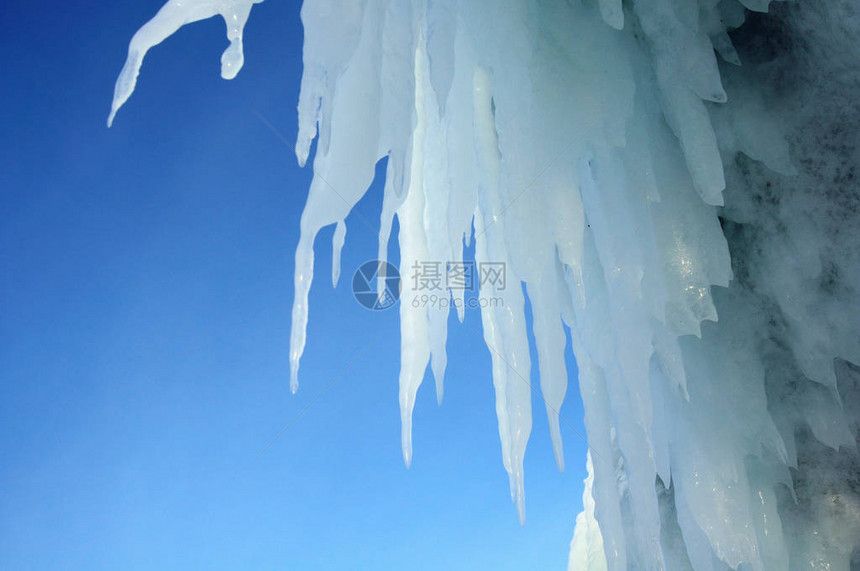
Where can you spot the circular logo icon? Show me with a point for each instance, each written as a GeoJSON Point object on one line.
{"type": "Point", "coordinates": [366, 285]}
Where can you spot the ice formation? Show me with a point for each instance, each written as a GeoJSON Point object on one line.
{"type": "Point", "coordinates": [586, 547]}
{"type": "Point", "coordinates": [675, 180]}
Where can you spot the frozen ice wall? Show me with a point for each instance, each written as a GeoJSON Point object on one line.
{"type": "Point", "coordinates": [675, 180]}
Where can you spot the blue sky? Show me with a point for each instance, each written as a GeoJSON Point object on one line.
{"type": "Point", "coordinates": [145, 294]}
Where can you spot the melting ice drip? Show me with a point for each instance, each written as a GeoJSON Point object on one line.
{"type": "Point", "coordinates": [612, 161]}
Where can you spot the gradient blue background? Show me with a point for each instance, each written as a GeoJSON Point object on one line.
{"type": "Point", "coordinates": [145, 293]}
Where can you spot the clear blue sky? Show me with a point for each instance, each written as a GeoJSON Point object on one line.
{"type": "Point", "coordinates": [145, 293]}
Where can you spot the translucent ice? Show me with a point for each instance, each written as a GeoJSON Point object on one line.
{"type": "Point", "coordinates": [694, 220]}
{"type": "Point", "coordinates": [171, 17]}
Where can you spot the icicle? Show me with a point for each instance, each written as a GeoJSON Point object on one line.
{"type": "Point", "coordinates": [613, 13]}
{"type": "Point", "coordinates": [171, 17]}
{"type": "Point", "coordinates": [414, 335]}
{"type": "Point", "coordinates": [550, 341]}
{"type": "Point", "coordinates": [586, 547]}
{"type": "Point", "coordinates": [336, 246]}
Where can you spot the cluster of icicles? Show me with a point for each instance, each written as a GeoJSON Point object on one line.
{"type": "Point", "coordinates": [577, 141]}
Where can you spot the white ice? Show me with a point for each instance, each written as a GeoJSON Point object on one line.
{"type": "Point", "coordinates": [675, 182]}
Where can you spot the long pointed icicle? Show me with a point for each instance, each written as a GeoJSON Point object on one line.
{"type": "Point", "coordinates": [171, 17]}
